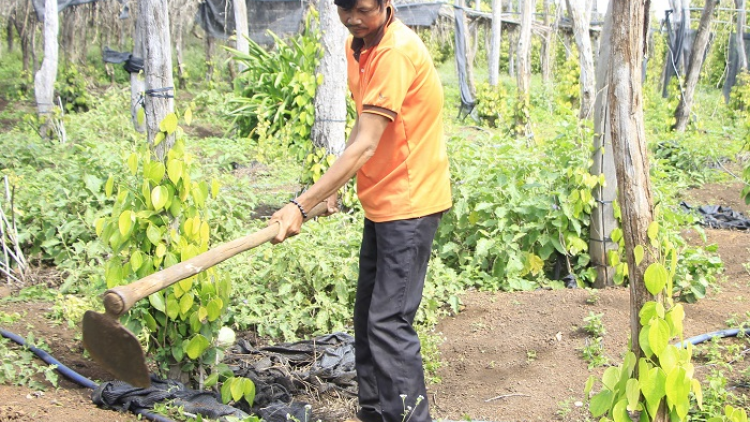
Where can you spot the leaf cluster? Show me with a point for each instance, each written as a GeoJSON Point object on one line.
{"type": "Point", "coordinates": [19, 367]}
{"type": "Point", "coordinates": [517, 210]}
{"type": "Point", "coordinates": [158, 220]}
{"type": "Point", "coordinates": [276, 91]}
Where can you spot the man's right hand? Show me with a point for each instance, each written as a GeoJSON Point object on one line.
{"type": "Point", "coordinates": [289, 219]}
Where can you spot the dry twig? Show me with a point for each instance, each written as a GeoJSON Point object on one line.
{"type": "Point", "coordinates": [506, 396]}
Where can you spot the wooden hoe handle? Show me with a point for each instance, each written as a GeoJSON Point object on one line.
{"type": "Point", "coordinates": [119, 299]}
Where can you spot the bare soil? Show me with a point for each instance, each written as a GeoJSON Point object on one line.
{"type": "Point", "coordinates": [506, 356]}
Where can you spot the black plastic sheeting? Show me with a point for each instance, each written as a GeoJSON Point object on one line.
{"type": "Point", "coordinates": [123, 396]}
{"type": "Point", "coordinates": [283, 17]}
{"type": "Point", "coordinates": [419, 14]}
{"type": "Point", "coordinates": [131, 64]}
{"type": "Point", "coordinates": [467, 99]}
{"type": "Point", "coordinates": [720, 217]}
{"type": "Point", "coordinates": [324, 364]}
{"type": "Point", "coordinates": [733, 67]}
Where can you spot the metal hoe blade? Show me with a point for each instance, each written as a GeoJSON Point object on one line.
{"type": "Point", "coordinates": [115, 348]}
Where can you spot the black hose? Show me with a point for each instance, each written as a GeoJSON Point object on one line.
{"type": "Point", "coordinates": [73, 375]}
{"type": "Point", "coordinates": [708, 336]}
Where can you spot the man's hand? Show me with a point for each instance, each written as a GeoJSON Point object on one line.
{"type": "Point", "coordinates": [289, 219]}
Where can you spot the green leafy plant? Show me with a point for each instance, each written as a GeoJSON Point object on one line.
{"type": "Point", "coordinates": [157, 221]}
{"type": "Point", "coordinates": [73, 90]}
{"type": "Point", "coordinates": [238, 388]}
{"type": "Point", "coordinates": [664, 375]}
{"type": "Point", "coordinates": [593, 351]}
{"type": "Point", "coordinates": [493, 105]}
{"type": "Point", "coordinates": [275, 103]}
{"type": "Point", "coordinates": [19, 367]}
{"type": "Point", "coordinates": [517, 209]}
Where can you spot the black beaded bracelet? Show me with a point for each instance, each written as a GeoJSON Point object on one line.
{"type": "Point", "coordinates": [301, 210]}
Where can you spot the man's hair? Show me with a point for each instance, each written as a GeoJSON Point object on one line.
{"type": "Point", "coordinates": [348, 4]}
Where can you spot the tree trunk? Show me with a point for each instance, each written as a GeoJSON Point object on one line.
{"type": "Point", "coordinates": [547, 44]}
{"type": "Point", "coordinates": [137, 82]}
{"type": "Point", "coordinates": [512, 33]}
{"type": "Point", "coordinates": [159, 98]}
{"type": "Point", "coordinates": [209, 57]}
{"type": "Point", "coordinates": [9, 30]}
{"type": "Point", "coordinates": [740, 35]}
{"type": "Point", "coordinates": [578, 10]}
{"type": "Point", "coordinates": [700, 43]}
{"type": "Point", "coordinates": [32, 45]}
{"type": "Point", "coordinates": [241, 30]}
{"type": "Point", "coordinates": [497, 36]}
{"type": "Point", "coordinates": [523, 76]}
{"type": "Point", "coordinates": [472, 44]}
{"type": "Point", "coordinates": [178, 44]}
{"type": "Point", "coordinates": [329, 128]}
{"type": "Point", "coordinates": [629, 26]}
{"type": "Point", "coordinates": [603, 219]}
{"type": "Point", "coordinates": [24, 27]}
{"type": "Point", "coordinates": [67, 35]}
{"type": "Point", "coordinates": [44, 80]}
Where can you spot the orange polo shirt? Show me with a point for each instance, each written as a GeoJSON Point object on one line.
{"type": "Point", "coordinates": [407, 177]}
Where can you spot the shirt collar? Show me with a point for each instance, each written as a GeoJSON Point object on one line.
{"type": "Point", "coordinates": [358, 44]}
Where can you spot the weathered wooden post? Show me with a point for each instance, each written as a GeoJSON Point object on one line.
{"type": "Point", "coordinates": [241, 30]}
{"type": "Point", "coordinates": [328, 131]}
{"type": "Point", "coordinates": [700, 43]}
{"type": "Point", "coordinates": [523, 76]}
{"type": "Point", "coordinates": [159, 94]}
{"type": "Point", "coordinates": [579, 14]}
{"type": "Point", "coordinates": [496, 41]}
{"type": "Point", "coordinates": [603, 219]}
{"type": "Point", "coordinates": [44, 79]}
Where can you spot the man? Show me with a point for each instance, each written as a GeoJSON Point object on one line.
{"type": "Point", "coordinates": [397, 150]}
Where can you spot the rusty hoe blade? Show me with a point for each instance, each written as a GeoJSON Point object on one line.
{"type": "Point", "coordinates": [115, 348]}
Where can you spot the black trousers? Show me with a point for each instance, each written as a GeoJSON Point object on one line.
{"type": "Point", "coordinates": [392, 267]}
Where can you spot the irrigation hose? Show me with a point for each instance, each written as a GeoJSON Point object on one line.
{"type": "Point", "coordinates": [708, 336]}
{"type": "Point", "coordinates": [73, 375]}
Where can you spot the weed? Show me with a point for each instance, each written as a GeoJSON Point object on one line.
{"type": "Point", "coordinates": [593, 350]}
{"type": "Point", "coordinates": [563, 408]}
{"type": "Point", "coordinates": [6, 318]}
{"type": "Point", "coordinates": [594, 325]}
{"type": "Point", "coordinates": [19, 367]}
{"type": "Point", "coordinates": [592, 297]}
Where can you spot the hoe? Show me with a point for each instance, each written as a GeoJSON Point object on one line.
{"type": "Point", "coordinates": [115, 347]}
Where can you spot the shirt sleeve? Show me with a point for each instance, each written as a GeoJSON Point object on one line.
{"type": "Point", "coordinates": [392, 75]}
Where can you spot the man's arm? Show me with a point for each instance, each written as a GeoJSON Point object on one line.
{"type": "Point", "coordinates": [362, 143]}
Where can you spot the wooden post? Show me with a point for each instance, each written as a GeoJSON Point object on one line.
{"type": "Point", "coordinates": [242, 31]}
{"type": "Point", "coordinates": [603, 219]}
{"type": "Point", "coordinates": [496, 40]}
{"type": "Point", "coordinates": [547, 44]}
{"type": "Point", "coordinates": [700, 43]}
{"type": "Point", "coordinates": [159, 98]}
{"type": "Point", "coordinates": [523, 76]}
{"type": "Point", "coordinates": [740, 35]}
{"type": "Point", "coordinates": [137, 82]}
{"type": "Point", "coordinates": [329, 128]}
{"type": "Point", "coordinates": [44, 79]}
{"type": "Point", "coordinates": [629, 26]}
{"type": "Point", "coordinates": [579, 14]}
